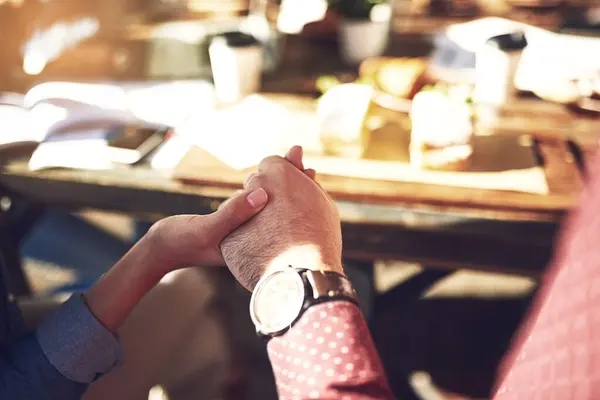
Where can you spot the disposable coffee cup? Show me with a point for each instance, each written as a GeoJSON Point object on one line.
{"type": "Point", "coordinates": [236, 60]}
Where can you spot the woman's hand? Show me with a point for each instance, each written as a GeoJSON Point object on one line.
{"type": "Point", "coordinates": [172, 243]}
{"type": "Point", "coordinates": [194, 240]}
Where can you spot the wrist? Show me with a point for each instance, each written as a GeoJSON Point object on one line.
{"type": "Point", "coordinates": [150, 265]}
{"type": "Point", "coordinates": [306, 256]}
{"type": "Point", "coordinates": [281, 298]}
{"type": "Point", "coordinates": [118, 291]}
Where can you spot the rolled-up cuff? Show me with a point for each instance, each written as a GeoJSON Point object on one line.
{"type": "Point", "coordinates": [77, 344]}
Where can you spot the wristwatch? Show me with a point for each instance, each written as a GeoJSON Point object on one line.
{"type": "Point", "coordinates": [280, 298]}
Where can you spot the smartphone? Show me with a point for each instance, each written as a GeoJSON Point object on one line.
{"type": "Point", "coordinates": [132, 144]}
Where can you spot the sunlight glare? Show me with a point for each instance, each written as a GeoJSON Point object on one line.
{"type": "Point", "coordinates": [300, 255]}
{"type": "Point", "coordinates": [34, 63]}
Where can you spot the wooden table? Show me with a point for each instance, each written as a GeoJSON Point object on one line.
{"type": "Point", "coordinates": [434, 225]}
{"type": "Point", "coordinates": [427, 235]}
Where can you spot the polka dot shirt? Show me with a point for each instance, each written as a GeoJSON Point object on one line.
{"type": "Point", "coordinates": [558, 354]}
{"type": "Point", "coordinates": [328, 354]}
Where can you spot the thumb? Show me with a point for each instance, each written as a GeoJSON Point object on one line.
{"type": "Point", "coordinates": [235, 212]}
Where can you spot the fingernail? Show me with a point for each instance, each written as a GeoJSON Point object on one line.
{"type": "Point", "coordinates": [257, 198]}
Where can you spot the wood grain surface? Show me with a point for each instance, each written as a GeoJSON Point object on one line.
{"type": "Point", "coordinates": [200, 168]}
{"type": "Point", "coordinates": [556, 159]}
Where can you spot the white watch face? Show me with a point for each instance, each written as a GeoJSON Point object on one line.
{"type": "Point", "coordinates": [277, 301]}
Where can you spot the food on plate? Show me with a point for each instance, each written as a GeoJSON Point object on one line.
{"type": "Point", "coordinates": [442, 128]}
{"type": "Point", "coordinates": [341, 113]}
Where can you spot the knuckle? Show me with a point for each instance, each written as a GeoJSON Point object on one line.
{"type": "Point", "coordinates": [280, 171]}
{"type": "Point", "coordinates": [270, 162]}
{"type": "Point", "coordinates": [249, 178]}
{"type": "Point", "coordinates": [254, 181]}
{"type": "Point", "coordinates": [259, 181]}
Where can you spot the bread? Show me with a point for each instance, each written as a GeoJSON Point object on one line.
{"type": "Point", "coordinates": [441, 131]}
{"type": "Point", "coordinates": [445, 158]}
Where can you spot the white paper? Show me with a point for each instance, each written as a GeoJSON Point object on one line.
{"type": "Point", "coordinates": [551, 57]}
{"type": "Point", "coordinates": [161, 103]}
{"type": "Point", "coordinates": [241, 135]}
{"type": "Point", "coordinates": [12, 123]}
{"type": "Point", "coordinates": [531, 180]}
{"type": "Point", "coordinates": [170, 154]}
{"type": "Point", "coordinates": [18, 125]}
{"type": "Point", "coordinates": [170, 103]}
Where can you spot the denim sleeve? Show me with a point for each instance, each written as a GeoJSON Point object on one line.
{"type": "Point", "coordinates": [69, 350]}
{"type": "Point", "coordinates": [77, 344]}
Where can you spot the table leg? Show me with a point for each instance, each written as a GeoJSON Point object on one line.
{"type": "Point", "coordinates": [410, 290]}
{"type": "Point", "coordinates": [23, 217]}
{"type": "Point", "coordinates": [10, 263]}
{"type": "Point", "coordinates": [16, 220]}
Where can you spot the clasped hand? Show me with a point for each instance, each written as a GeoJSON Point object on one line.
{"type": "Point", "coordinates": [282, 217]}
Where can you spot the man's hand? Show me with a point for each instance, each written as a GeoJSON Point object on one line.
{"type": "Point", "coordinates": [299, 227]}
{"type": "Point", "coordinates": [187, 240]}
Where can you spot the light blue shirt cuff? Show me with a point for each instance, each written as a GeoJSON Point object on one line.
{"type": "Point", "coordinates": [77, 344]}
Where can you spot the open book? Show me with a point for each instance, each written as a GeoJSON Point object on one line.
{"type": "Point", "coordinates": [74, 123]}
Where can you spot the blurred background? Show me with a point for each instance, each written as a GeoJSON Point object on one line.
{"type": "Point", "coordinates": [453, 133]}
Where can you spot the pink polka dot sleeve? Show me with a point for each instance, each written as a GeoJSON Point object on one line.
{"type": "Point", "coordinates": [328, 354]}
{"type": "Point", "coordinates": [557, 355]}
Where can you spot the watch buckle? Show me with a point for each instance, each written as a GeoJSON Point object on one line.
{"type": "Point", "coordinates": [322, 285]}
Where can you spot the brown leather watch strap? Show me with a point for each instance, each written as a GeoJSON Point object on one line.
{"type": "Point", "coordinates": [328, 286]}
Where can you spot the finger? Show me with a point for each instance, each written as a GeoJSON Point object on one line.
{"type": "Point", "coordinates": [223, 204]}
{"type": "Point", "coordinates": [236, 212]}
{"type": "Point", "coordinates": [295, 157]}
{"type": "Point", "coordinates": [270, 162]}
{"type": "Point", "coordinates": [311, 173]}
{"type": "Point", "coordinates": [249, 178]}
